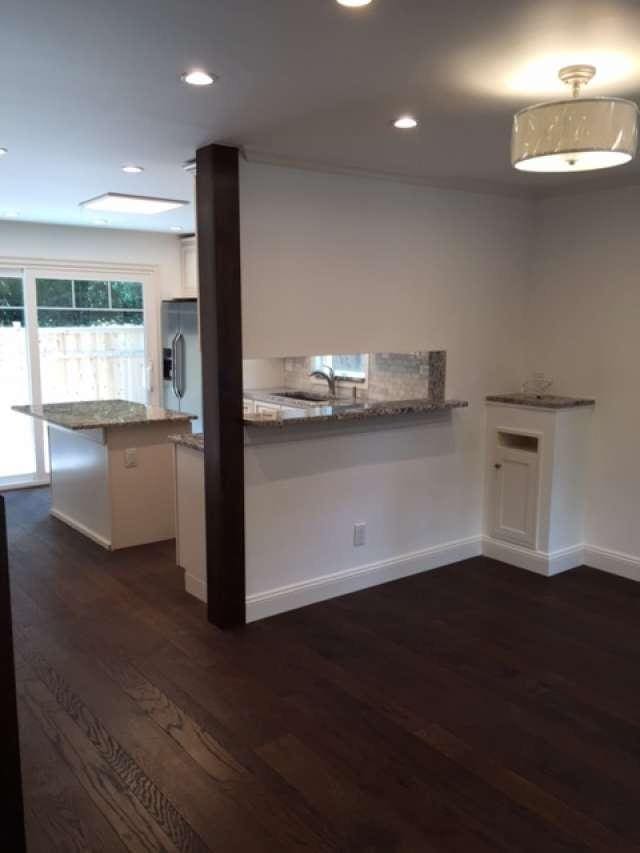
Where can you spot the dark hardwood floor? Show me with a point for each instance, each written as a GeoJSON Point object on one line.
{"type": "Point", "coordinates": [473, 708]}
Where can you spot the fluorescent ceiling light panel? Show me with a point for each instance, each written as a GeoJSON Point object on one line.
{"type": "Point", "coordinates": [138, 204]}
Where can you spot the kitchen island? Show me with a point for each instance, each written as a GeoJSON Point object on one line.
{"type": "Point", "coordinates": [111, 464]}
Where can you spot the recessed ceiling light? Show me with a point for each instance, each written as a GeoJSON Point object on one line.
{"type": "Point", "coordinates": [130, 169]}
{"type": "Point", "coordinates": [122, 203]}
{"type": "Point", "coordinates": [198, 77]}
{"type": "Point", "coordinates": [3, 151]}
{"type": "Point", "coordinates": [405, 123]}
{"type": "Point", "coordinates": [354, 3]}
{"type": "Point", "coordinates": [176, 227]}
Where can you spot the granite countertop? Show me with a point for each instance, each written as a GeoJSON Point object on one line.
{"type": "Point", "coordinates": [541, 401]}
{"type": "Point", "coordinates": [193, 440]}
{"type": "Point", "coordinates": [100, 414]}
{"type": "Point", "coordinates": [291, 412]}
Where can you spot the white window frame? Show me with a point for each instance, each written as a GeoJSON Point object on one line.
{"type": "Point", "coordinates": [359, 377]}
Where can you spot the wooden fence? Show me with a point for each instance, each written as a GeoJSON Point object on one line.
{"type": "Point", "coordinates": [92, 363]}
{"type": "Point", "coordinates": [76, 363]}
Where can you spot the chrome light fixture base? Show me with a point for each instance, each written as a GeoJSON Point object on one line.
{"type": "Point", "coordinates": [577, 76]}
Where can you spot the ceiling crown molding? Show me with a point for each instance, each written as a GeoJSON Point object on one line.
{"type": "Point", "coordinates": [468, 185]}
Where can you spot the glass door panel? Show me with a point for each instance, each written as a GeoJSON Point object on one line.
{"type": "Point", "coordinates": [91, 340]}
{"type": "Point", "coordinates": [17, 446]}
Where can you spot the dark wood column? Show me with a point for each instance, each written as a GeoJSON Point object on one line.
{"type": "Point", "coordinates": [218, 201]}
{"type": "Point", "coordinates": [10, 775]}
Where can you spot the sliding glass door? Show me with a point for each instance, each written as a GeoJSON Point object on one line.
{"type": "Point", "coordinates": [17, 441]}
{"type": "Point", "coordinates": [65, 339]}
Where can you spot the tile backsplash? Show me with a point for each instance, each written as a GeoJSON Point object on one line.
{"type": "Point", "coordinates": [390, 375]}
{"type": "Point", "coordinates": [406, 376]}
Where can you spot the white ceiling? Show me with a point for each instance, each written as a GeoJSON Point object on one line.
{"type": "Point", "coordinates": [87, 85]}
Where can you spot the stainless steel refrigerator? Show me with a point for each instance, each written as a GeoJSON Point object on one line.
{"type": "Point", "coordinates": [181, 360]}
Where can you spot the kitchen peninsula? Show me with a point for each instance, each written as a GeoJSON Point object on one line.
{"type": "Point", "coordinates": [111, 464]}
{"type": "Point", "coordinates": [337, 482]}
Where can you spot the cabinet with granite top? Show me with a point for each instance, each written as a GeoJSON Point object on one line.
{"type": "Point", "coordinates": [536, 480]}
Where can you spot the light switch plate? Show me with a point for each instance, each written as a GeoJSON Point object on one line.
{"type": "Point", "coordinates": [131, 458]}
{"type": "Point", "coordinates": [359, 535]}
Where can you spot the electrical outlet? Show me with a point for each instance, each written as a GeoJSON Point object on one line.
{"type": "Point", "coordinates": [359, 534]}
{"type": "Point", "coordinates": [131, 458]}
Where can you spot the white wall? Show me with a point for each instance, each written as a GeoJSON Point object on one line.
{"type": "Point", "coordinates": [67, 243]}
{"type": "Point", "coordinates": [332, 263]}
{"type": "Point", "coordinates": [583, 322]}
{"type": "Point", "coordinates": [348, 264]}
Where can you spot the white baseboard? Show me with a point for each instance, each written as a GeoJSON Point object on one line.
{"type": "Point", "coordinates": [541, 562]}
{"type": "Point", "coordinates": [613, 562]}
{"type": "Point", "coordinates": [195, 586]}
{"type": "Point", "coordinates": [263, 604]}
{"type": "Point", "coordinates": [81, 528]}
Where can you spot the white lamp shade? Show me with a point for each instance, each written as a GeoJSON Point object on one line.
{"type": "Point", "coordinates": [575, 135]}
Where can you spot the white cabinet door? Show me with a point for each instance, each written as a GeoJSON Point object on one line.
{"type": "Point", "coordinates": [190, 520]}
{"type": "Point", "coordinates": [514, 496]}
{"type": "Point", "coordinates": [189, 249]}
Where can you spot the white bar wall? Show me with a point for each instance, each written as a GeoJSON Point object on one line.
{"type": "Point", "coordinates": [335, 263]}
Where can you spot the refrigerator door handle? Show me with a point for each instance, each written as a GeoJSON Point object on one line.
{"type": "Point", "coordinates": [179, 365]}
{"type": "Point", "coordinates": [174, 365]}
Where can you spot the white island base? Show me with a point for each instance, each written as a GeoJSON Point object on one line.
{"type": "Point", "coordinates": [115, 485]}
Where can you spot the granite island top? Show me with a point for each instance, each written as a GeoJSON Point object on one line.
{"type": "Point", "coordinates": [290, 412]}
{"type": "Point", "coordinates": [194, 440]}
{"type": "Point", "coordinates": [541, 401]}
{"type": "Point", "coordinates": [101, 414]}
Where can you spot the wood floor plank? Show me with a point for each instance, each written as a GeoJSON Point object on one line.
{"type": "Point", "coordinates": [473, 709]}
{"type": "Point", "coordinates": [291, 817]}
{"type": "Point", "coordinates": [362, 827]}
{"type": "Point", "coordinates": [545, 751]}
{"type": "Point", "coordinates": [163, 812]}
{"type": "Point", "coordinates": [56, 805]}
{"type": "Point", "coordinates": [229, 817]}
{"type": "Point", "coordinates": [197, 742]}
{"type": "Point", "coordinates": [137, 830]}
{"type": "Point", "coordinates": [524, 792]}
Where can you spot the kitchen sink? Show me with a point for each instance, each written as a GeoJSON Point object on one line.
{"type": "Point", "coordinates": [307, 396]}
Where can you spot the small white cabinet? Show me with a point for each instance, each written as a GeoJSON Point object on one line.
{"type": "Point", "coordinates": [514, 488]}
{"type": "Point", "coordinates": [536, 482]}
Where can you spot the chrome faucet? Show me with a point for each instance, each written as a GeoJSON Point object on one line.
{"type": "Point", "coordinates": [328, 373]}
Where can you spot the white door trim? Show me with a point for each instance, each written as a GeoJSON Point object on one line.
{"type": "Point", "coordinates": [111, 268]}
{"type": "Point", "coordinates": [144, 273]}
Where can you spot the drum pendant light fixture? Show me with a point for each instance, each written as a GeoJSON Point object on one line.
{"type": "Point", "coordinates": [576, 134]}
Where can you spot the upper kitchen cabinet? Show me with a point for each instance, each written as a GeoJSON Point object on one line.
{"type": "Point", "coordinates": [189, 261]}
